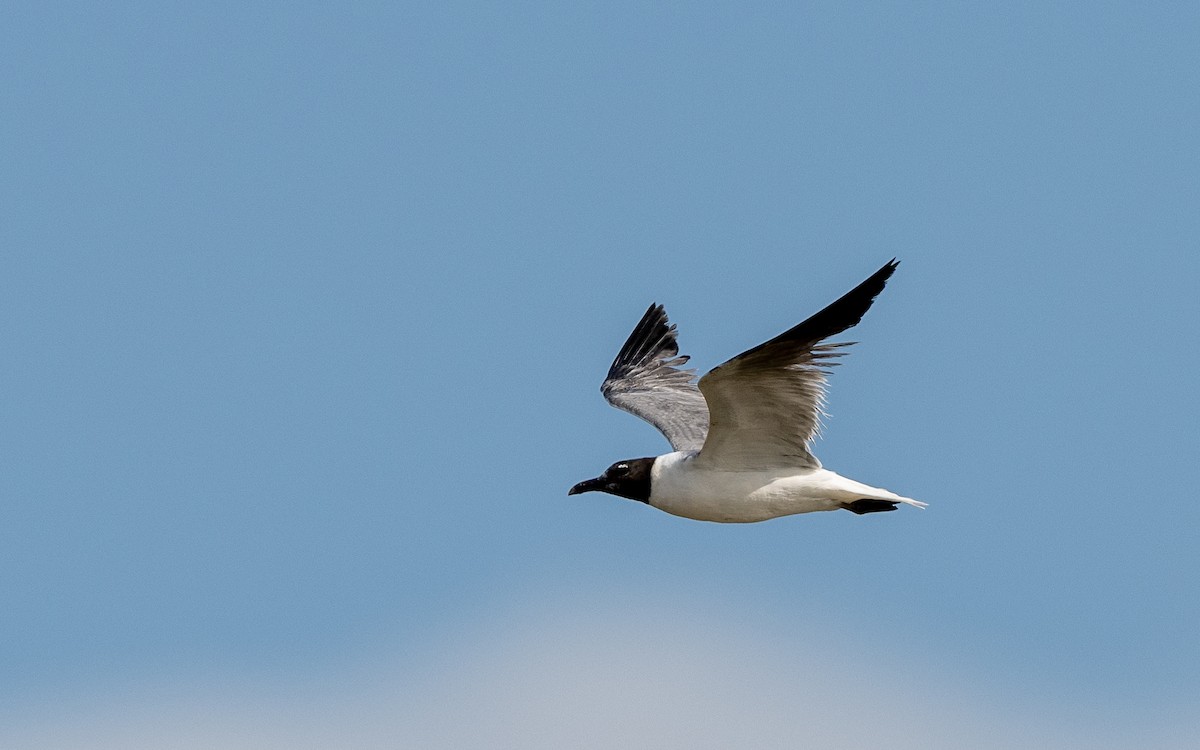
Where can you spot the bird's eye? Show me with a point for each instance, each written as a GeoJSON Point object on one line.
{"type": "Point", "coordinates": [620, 469]}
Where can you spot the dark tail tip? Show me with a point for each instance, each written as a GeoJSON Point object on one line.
{"type": "Point", "coordinates": [859, 507]}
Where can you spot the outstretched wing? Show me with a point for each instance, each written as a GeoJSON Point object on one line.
{"type": "Point", "coordinates": [766, 404]}
{"type": "Point", "coordinates": [645, 380]}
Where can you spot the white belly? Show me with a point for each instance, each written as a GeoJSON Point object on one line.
{"type": "Point", "coordinates": [679, 488]}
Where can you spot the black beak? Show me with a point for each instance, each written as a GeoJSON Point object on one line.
{"type": "Point", "coordinates": [587, 485]}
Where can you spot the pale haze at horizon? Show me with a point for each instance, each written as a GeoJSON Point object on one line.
{"type": "Point", "coordinates": [305, 312]}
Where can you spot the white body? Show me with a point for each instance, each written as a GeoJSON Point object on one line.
{"type": "Point", "coordinates": [681, 488]}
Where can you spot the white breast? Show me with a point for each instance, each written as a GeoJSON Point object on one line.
{"type": "Point", "coordinates": [680, 487]}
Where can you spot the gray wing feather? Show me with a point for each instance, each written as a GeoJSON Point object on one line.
{"type": "Point", "coordinates": [646, 380]}
{"type": "Point", "coordinates": [766, 403]}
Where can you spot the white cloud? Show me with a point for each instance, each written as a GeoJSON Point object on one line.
{"type": "Point", "coordinates": [586, 675]}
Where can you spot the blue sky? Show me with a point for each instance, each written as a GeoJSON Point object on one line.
{"type": "Point", "coordinates": [305, 310]}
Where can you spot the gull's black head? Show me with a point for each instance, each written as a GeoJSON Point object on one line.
{"type": "Point", "coordinates": [630, 478]}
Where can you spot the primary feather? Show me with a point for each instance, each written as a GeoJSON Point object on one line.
{"type": "Point", "coordinates": [646, 380]}
{"type": "Point", "coordinates": [765, 404]}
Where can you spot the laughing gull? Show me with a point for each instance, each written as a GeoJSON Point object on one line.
{"type": "Point", "coordinates": [741, 436]}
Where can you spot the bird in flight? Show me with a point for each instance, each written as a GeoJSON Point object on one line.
{"type": "Point", "coordinates": [741, 435]}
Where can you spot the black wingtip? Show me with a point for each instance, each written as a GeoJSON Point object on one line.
{"type": "Point", "coordinates": [845, 313]}
{"type": "Point", "coordinates": [652, 337]}
{"type": "Point", "coordinates": [884, 273]}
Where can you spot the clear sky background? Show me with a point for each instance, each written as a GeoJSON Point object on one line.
{"type": "Point", "coordinates": [304, 309]}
